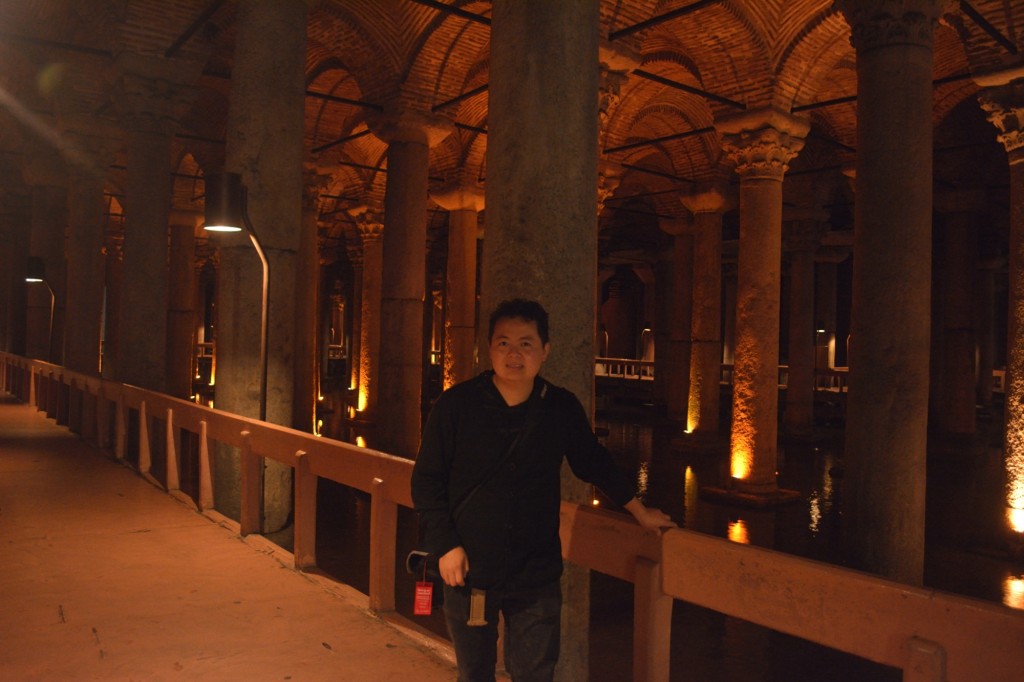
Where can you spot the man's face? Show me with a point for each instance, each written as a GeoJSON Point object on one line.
{"type": "Point", "coordinates": [516, 350]}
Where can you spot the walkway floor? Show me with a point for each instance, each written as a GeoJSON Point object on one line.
{"type": "Point", "coordinates": [105, 577]}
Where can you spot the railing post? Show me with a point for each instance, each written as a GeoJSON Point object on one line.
{"type": "Point", "coordinates": [120, 428]}
{"type": "Point", "coordinates": [305, 513]}
{"type": "Point", "coordinates": [102, 419]}
{"type": "Point", "coordinates": [251, 513]}
{"type": "Point", "coordinates": [205, 472]}
{"type": "Point", "coordinates": [171, 450]}
{"type": "Point", "coordinates": [383, 536]}
{"type": "Point", "coordinates": [652, 624]}
{"type": "Point", "coordinates": [51, 396]}
{"type": "Point", "coordinates": [32, 399]}
{"type": "Point", "coordinates": [145, 457]}
{"type": "Point", "coordinates": [926, 662]}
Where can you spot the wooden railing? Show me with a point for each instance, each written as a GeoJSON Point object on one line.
{"type": "Point", "coordinates": [931, 636]}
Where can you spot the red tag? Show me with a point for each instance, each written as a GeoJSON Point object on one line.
{"type": "Point", "coordinates": [421, 605]}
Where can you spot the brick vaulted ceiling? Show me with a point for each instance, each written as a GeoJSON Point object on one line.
{"type": "Point", "coordinates": [687, 62]}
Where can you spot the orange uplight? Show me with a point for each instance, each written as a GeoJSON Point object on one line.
{"type": "Point", "coordinates": [1013, 591]}
{"type": "Point", "coordinates": [360, 441]}
{"type": "Point", "coordinates": [693, 414]}
{"type": "Point", "coordinates": [1015, 517]}
{"type": "Point", "coordinates": [739, 463]}
{"type": "Point", "coordinates": [738, 532]}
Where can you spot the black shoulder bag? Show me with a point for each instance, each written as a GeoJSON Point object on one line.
{"type": "Point", "coordinates": [425, 564]}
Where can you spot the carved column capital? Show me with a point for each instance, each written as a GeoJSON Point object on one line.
{"type": "Point", "coordinates": [675, 226]}
{"type": "Point", "coordinates": [44, 167]}
{"type": "Point", "coordinates": [409, 125]}
{"type": "Point", "coordinates": [803, 228]}
{"type": "Point", "coordinates": [609, 177]}
{"type": "Point", "coordinates": [710, 197]}
{"type": "Point", "coordinates": [369, 221]}
{"type": "Point", "coordinates": [459, 196]}
{"type": "Point", "coordinates": [878, 23]}
{"type": "Point", "coordinates": [89, 143]}
{"type": "Point", "coordinates": [354, 251]}
{"type": "Point", "coordinates": [1004, 105]}
{"type": "Point", "coordinates": [762, 143]}
{"type": "Point", "coordinates": [153, 93]}
{"type": "Point", "coordinates": [616, 62]}
{"type": "Point", "coordinates": [313, 184]}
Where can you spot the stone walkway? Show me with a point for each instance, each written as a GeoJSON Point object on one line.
{"type": "Point", "coordinates": [105, 577]}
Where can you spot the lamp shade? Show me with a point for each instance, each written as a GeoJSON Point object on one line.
{"type": "Point", "coordinates": [35, 270]}
{"type": "Point", "coordinates": [224, 196]}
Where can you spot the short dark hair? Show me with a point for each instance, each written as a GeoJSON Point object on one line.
{"type": "Point", "coordinates": [523, 309]}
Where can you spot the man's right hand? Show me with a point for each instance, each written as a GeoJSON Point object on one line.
{"type": "Point", "coordinates": [454, 566]}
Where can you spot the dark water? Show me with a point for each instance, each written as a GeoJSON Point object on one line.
{"type": "Point", "coordinates": [967, 550]}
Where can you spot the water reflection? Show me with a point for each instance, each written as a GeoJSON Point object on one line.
{"type": "Point", "coordinates": [1013, 591]}
{"type": "Point", "coordinates": [966, 548]}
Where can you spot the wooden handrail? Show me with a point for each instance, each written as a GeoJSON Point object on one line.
{"type": "Point", "coordinates": [932, 636]}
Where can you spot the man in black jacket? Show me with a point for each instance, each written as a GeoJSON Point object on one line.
{"type": "Point", "coordinates": [487, 484]}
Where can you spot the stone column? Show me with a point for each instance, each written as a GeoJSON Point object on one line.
{"type": "Point", "coordinates": [409, 136]}
{"type": "Point", "coordinates": [371, 229]}
{"type": "Point", "coordinates": [114, 277]}
{"type": "Point", "coordinates": [46, 175]}
{"type": "Point", "coordinates": [955, 408]}
{"type": "Point", "coordinates": [85, 273]}
{"type": "Point", "coordinates": [181, 312]}
{"type": "Point", "coordinates": [152, 91]}
{"type": "Point", "coordinates": [355, 314]}
{"type": "Point", "coordinates": [674, 360]}
{"type": "Point", "coordinates": [15, 259]}
{"type": "Point", "coordinates": [1002, 98]}
{"type": "Point", "coordinates": [886, 421]}
{"type": "Point", "coordinates": [463, 203]}
{"type": "Point", "coordinates": [264, 144]}
{"type": "Point", "coordinates": [307, 289]}
{"type": "Point", "coordinates": [761, 143]}
{"type": "Point", "coordinates": [803, 233]}
{"type": "Point", "coordinates": [706, 203]}
{"type": "Point", "coordinates": [536, 217]}
{"type": "Point", "coordinates": [985, 294]}
{"type": "Point", "coordinates": [826, 306]}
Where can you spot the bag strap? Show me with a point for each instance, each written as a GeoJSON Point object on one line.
{"type": "Point", "coordinates": [532, 417]}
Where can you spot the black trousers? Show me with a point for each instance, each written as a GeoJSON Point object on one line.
{"type": "Point", "coordinates": [532, 628]}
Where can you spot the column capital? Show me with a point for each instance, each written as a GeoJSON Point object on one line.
{"type": "Point", "coordinates": [183, 218]}
{"type": "Point", "coordinates": [616, 62]}
{"type": "Point", "coordinates": [1003, 102]}
{"type": "Point", "coordinates": [878, 23]}
{"type": "Point", "coordinates": [313, 184]}
{"type": "Point", "coordinates": [152, 93]}
{"type": "Point", "coordinates": [674, 226]}
{"type": "Point", "coordinates": [354, 251]}
{"type": "Point", "coordinates": [44, 167]}
{"type": "Point", "coordinates": [762, 143]}
{"type": "Point", "coordinates": [609, 177]}
{"type": "Point", "coordinates": [459, 196]}
{"type": "Point", "coordinates": [369, 222]}
{"type": "Point", "coordinates": [707, 197]}
{"type": "Point", "coordinates": [803, 231]}
{"type": "Point", "coordinates": [89, 143]}
{"type": "Point", "coordinates": [409, 125]}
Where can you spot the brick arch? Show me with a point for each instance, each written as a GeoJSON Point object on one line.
{"type": "Point", "coordinates": [808, 62]}
{"type": "Point", "coordinates": [328, 121]}
{"type": "Point", "coordinates": [449, 55]}
{"type": "Point", "coordinates": [360, 35]}
{"type": "Point", "coordinates": [639, 95]}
